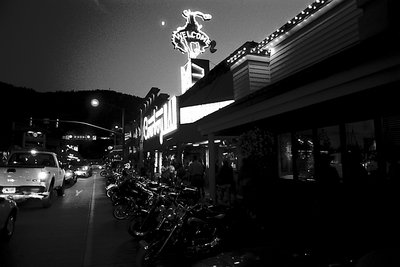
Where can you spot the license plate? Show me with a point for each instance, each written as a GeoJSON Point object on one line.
{"type": "Point", "coordinates": [8, 190]}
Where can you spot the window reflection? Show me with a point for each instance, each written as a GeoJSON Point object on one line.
{"type": "Point", "coordinates": [361, 162]}
{"type": "Point", "coordinates": [285, 156]}
{"type": "Point", "coordinates": [391, 129]}
{"type": "Point", "coordinates": [329, 152]}
{"type": "Point", "coordinates": [305, 155]}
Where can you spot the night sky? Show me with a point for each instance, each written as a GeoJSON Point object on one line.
{"type": "Point", "coordinates": [122, 45]}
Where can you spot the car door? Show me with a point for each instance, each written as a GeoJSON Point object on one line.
{"type": "Point", "coordinates": [4, 211]}
{"type": "Point", "coordinates": [58, 171]}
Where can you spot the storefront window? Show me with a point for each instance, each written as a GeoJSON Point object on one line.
{"type": "Point", "coordinates": [228, 151]}
{"type": "Point", "coordinates": [391, 129]}
{"type": "Point", "coordinates": [329, 153]}
{"type": "Point", "coordinates": [361, 162]}
{"type": "Point", "coordinates": [285, 156]}
{"type": "Point", "coordinates": [305, 155]}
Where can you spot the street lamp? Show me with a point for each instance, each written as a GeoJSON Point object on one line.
{"type": "Point", "coordinates": [95, 103]}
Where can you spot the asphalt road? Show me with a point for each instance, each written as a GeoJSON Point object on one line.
{"type": "Point", "coordinates": [78, 230]}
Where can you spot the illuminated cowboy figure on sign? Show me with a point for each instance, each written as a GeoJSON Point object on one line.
{"type": "Point", "coordinates": [189, 38]}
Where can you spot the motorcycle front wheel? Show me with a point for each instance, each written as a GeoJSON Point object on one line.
{"type": "Point", "coordinates": [138, 227]}
{"type": "Point", "coordinates": [121, 212]}
{"type": "Point", "coordinates": [114, 197]}
{"type": "Point", "coordinates": [110, 192]}
{"type": "Point", "coordinates": [146, 257]}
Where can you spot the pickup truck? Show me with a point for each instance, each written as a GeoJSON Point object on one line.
{"type": "Point", "coordinates": [32, 174]}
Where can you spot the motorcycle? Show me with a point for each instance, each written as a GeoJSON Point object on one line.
{"type": "Point", "coordinates": [125, 208]}
{"type": "Point", "coordinates": [120, 184]}
{"type": "Point", "coordinates": [133, 202]}
{"type": "Point", "coordinates": [144, 223]}
{"type": "Point", "coordinates": [107, 172]}
{"type": "Point", "coordinates": [120, 188]}
{"type": "Point", "coordinates": [161, 203]}
{"type": "Point", "coordinates": [191, 230]}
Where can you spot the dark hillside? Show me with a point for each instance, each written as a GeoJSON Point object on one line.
{"type": "Point", "coordinates": [19, 104]}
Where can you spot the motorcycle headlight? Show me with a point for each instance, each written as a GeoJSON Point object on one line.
{"type": "Point", "coordinates": [68, 174]}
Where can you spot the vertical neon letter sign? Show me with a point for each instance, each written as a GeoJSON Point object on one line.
{"type": "Point", "coordinates": [163, 121]}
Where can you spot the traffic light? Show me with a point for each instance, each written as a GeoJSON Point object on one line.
{"type": "Point", "coordinates": [30, 121]}
{"type": "Point", "coordinates": [57, 121]}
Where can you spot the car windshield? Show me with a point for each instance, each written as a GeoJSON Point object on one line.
{"type": "Point", "coordinates": [31, 159]}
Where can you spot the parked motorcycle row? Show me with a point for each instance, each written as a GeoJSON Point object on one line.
{"type": "Point", "coordinates": [174, 227]}
{"type": "Point", "coordinates": [167, 219]}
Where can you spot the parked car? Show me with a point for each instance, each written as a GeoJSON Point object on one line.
{"type": "Point", "coordinates": [32, 174]}
{"type": "Point", "coordinates": [97, 164]}
{"type": "Point", "coordinates": [8, 217]}
{"type": "Point", "coordinates": [83, 168]}
{"type": "Point", "coordinates": [70, 175]}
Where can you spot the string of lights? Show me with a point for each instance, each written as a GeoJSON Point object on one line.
{"type": "Point", "coordinates": [261, 50]}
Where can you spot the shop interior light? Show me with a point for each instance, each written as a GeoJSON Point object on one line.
{"type": "Point", "coordinates": [194, 113]}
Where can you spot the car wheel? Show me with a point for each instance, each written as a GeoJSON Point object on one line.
{"type": "Point", "coordinates": [61, 189]}
{"type": "Point", "coordinates": [47, 201]}
{"type": "Point", "coordinates": [8, 229]}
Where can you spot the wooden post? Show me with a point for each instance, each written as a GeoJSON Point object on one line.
{"type": "Point", "coordinates": [211, 169]}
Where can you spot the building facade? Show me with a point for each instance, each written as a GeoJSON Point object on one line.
{"type": "Point", "coordinates": [329, 100]}
{"type": "Point", "coordinates": [170, 131]}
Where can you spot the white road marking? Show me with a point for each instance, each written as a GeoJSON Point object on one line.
{"type": "Point", "coordinates": [87, 260]}
{"type": "Point", "coordinates": [78, 192]}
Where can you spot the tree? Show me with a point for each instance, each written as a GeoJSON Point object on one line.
{"type": "Point", "coordinates": [258, 171]}
{"type": "Point", "coordinates": [258, 146]}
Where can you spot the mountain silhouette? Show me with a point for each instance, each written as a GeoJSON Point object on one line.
{"type": "Point", "coordinates": [19, 104]}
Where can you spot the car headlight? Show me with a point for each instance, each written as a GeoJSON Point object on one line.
{"type": "Point", "coordinates": [85, 168]}
{"type": "Point", "coordinates": [68, 174]}
{"type": "Point", "coordinates": [43, 175]}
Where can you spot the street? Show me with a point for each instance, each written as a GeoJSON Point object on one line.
{"type": "Point", "coordinates": [77, 230]}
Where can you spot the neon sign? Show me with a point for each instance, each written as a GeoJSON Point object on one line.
{"type": "Point", "coordinates": [162, 122]}
{"type": "Point", "coordinates": [192, 71]}
{"type": "Point", "coordinates": [190, 39]}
